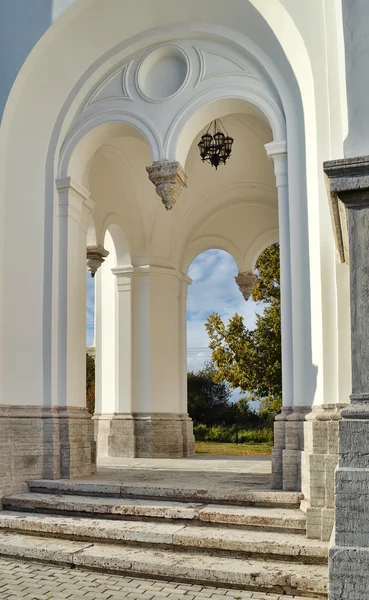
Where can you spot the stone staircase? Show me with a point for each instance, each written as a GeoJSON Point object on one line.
{"type": "Point", "coordinates": [251, 539]}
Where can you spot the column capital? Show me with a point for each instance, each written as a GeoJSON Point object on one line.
{"type": "Point", "coordinates": [67, 184]}
{"type": "Point", "coordinates": [348, 187]}
{"type": "Point", "coordinates": [277, 152]}
{"type": "Point", "coordinates": [169, 179]}
{"type": "Point", "coordinates": [246, 282]}
{"type": "Point", "coordinates": [95, 256]}
{"type": "Point", "coordinates": [276, 149]}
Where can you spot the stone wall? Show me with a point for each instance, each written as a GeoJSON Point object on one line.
{"type": "Point", "coordinates": [305, 457]}
{"type": "Point", "coordinates": [39, 442]}
{"type": "Point", "coordinates": [155, 435]}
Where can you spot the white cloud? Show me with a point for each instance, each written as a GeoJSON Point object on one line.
{"type": "Point", "coordinates": [213, 290]}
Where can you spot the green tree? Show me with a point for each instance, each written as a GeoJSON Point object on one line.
{"type": "Point", "coordinates": [208, 399]}
{"type": "Point", "coordinates": [251, 359]}
{"type": "Point", "coordinates": [90, 383]}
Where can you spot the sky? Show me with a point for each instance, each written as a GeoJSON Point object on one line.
{"type": "Point", "coordinates": [213, 290]}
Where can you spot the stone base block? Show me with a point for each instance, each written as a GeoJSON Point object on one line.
{"type": "Point", "coordinates": [48, 443]}
{"type": "Point", "coordinates": [288, 445]}
{"type": "Point", "coordinates": [348, 573]}
{"type": "Point", "coordinates": [318, 464]}
{"type": "Point", "coordinates": [157, 435]}
{"type": "Point", "coordinates": [279, 446]}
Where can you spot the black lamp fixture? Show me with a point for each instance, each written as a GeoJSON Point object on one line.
{"type": "Point", "coordinates": [215, 145]}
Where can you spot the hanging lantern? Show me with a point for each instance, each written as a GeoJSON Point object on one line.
{"type": "Point", "coordinates": [216, 147]}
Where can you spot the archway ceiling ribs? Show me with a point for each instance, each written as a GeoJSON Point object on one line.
{"type": "Point", "coordinates": [190, 235]}
{"type": "Point", "coordinates": [212, 79]}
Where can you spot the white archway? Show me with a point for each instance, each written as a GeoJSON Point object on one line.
{"type": "Point", "coordinates": [271, 76]}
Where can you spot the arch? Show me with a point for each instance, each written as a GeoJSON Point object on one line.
{"type": "Point", "coordinates": [258, 246]}
{"type": "Point", "coordinates": [30, 147]}
{"type": "Point", "coordinates": [253, 194]}
{"type": "Point", "coordinates": [216, 104]}
{"type": "Point", "coordinates": [94, 131]}
{"type": "Point", "coordinates": [113, 226]}
{"type": "Point", "coordinates": [210, 242]}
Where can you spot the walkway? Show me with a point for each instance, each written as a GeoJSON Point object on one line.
{"type": "Point", "coordinates": [201, 472]}
{"type": "Point", "coordinates": [36, 581]}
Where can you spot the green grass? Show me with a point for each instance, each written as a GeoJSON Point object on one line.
{"type": "Point", "coordinates": [222, 449]}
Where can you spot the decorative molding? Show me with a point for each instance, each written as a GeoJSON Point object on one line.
{"type": "Point", "coordinates": [246, 282]}
{"type": "Point", "coordinates": [205, 57]}
{"type": "Point", "coordinates": [105, 90]}
{"type": "Point", "coordinates": [169, 179]}
{"type": "Point", "coordinates": [95, 256]}
{"type": "Point", "coordinates": [347, 182]}
{"type": "Point", "coordinates": [171, 49]}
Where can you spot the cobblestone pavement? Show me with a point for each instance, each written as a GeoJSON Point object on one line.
{"type": "Point", "coordinates": [35, 581]}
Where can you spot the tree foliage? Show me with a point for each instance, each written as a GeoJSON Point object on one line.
{"type": "Point", "coordinates": [90, 383]}
{"type": "Point", "coordinates": [208, 399]}
{"type": "Point", "coordinates": [251, 359]}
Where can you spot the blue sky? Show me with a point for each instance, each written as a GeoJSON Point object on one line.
{"type": "Point", "coordinates": [213, 290]}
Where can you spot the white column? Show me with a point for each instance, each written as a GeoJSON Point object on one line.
{"type": "Point", "coordinates": [75, 206]}
{"type": "Point", "coordinates": [105, 371]}
{"type": "Point", "coordinates": [124, 340]}
{"type": "Point", "coordinates": [156, 317]}
{"type": "Point", "coordinates": [277, 151]}
{"type": "Point", "coordinates": [182, 336]}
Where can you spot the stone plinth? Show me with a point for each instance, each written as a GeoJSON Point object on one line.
{"type": "Point", "coordinates": [318, 464]}
{"type": "Point", "coordinates": [155, 435]}
{"type": "Point", "coordinates": [51, 443]}
{"type": "Point", "coordinates": [348, 184]}
{"type": "Point", "coordinates": [278, 447]}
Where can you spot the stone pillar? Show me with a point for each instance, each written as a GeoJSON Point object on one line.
{"type": "Point", "coordinates": [77, 451]}
{"type": "Point", "coordinates": [287, 429]}
{"type": "Point", "coordinates": [318, 465]}
{"type": "Point", "coordinates": [348, 181]}
{"type": "Point", "coordinates": [149, 418]}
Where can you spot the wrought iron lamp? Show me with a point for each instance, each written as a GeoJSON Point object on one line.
{"type": "Point", "coordinates": [215, 145]}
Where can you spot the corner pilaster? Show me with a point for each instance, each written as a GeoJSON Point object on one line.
{"type": "Point", "coordinates": [348, 185]}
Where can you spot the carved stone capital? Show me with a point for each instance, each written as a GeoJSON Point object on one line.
{"type": "Point", "coordinates": [347, 182]}
{"type": "Point", "coordinates": [169, 178]}
{"type": "Point", "coordinates": [95, 256]}
{"type": "Point", "coordinates": [246, 282]}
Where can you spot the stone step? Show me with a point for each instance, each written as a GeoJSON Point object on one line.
{"type": "Point", "coordinates": [233, 541]}
{"type": "Point", "coordinates": [185, 493]}
{"type": "Point", "coordinates": [272, 576]}
{"type": "Point", "coordinates": [269, 518]}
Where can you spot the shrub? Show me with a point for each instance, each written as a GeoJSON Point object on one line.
{"type": "Point", "coordinates": [200, 430]}
{"type": "Point", "coordinates": [223, 433]}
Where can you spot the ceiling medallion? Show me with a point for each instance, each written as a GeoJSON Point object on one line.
{"type": "Point", "coordinates": [215, 145]}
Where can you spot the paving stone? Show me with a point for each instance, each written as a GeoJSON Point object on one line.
{"type": "Point", "coordinates": [40, 585]}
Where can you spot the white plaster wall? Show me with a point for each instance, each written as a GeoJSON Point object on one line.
{"type": "Point", "coordinates": [356, 27]}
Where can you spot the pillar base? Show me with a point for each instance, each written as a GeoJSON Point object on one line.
{"type": "Point", "coordinates": [44, 443]}
{"type": "Point", "coordinates": [318, 464]}
{"type": "Point", "coordinates": [141, 435]}
{"type": "Point", "coordinates": [279, 446]}
{"type": "Point", "coordinates": [349, 552]}
{"type": "Point", "coordinates": [288, 445]}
